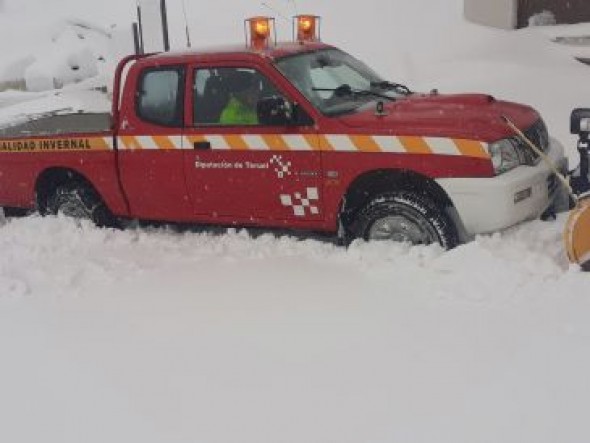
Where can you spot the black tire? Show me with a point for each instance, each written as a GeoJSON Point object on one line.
{"type": "Point", "coordinates": [79, 200]}
{"type": "Point", "coordinates": [406, 217]}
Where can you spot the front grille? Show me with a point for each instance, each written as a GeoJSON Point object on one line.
{"type": "Point", "coordinates": [539, 135]}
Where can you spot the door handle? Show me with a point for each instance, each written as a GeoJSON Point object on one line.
{"type": "Point", "coordinates": [202, 145]}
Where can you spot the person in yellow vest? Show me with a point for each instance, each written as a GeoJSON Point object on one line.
{"type": "Point", "coordinates": [241, 108]}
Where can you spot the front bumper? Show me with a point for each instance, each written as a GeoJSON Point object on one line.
{"type": "Point", "coordinates": [486, 205]}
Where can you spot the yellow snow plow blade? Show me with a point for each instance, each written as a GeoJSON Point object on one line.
{"type": "Point", "coordinates": [577, 234]}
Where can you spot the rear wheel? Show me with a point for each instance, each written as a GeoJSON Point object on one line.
{"type": "Point", "coordinates": [15, 212]}
{"type": "Point", "coordinates": [80, 201]}
{"type": "Point", "coordinates": [405, 217]}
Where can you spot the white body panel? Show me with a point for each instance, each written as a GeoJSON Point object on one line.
{"type": "Point", "coordinates": [485, 205]}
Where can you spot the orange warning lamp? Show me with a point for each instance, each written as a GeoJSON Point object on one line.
{"type": "Point", "coordinates": [308, 28]}
{"type": "Point", "coordinates": [258, 31]}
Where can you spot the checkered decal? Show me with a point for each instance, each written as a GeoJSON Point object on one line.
{"type": "Point", "coordinates": [302, 205]}
{"type": "Point", "coordinates": [281, 169]}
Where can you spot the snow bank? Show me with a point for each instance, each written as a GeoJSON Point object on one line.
{"type": "Point", "coordinates": [73, 52]}
{"type": "Point", "coordinates": [82, 256]}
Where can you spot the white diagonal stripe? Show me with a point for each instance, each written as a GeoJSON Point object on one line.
{"type": "Point", "coordinates": [255, 142]}
{"type": "Point", "coordinates": [125, 143]}
{"type": "Point", "coordinates": [341, 142]}
{"type": "Point", "coordinates": [297, 143]}
{"type": "Point", "coordinates": [146, 142]}
{"type": "Point", "coordinates": [177, 141]}
{"type": "Point", "coordinates": [217, 142]}
{"type": "Point", "coordinates": [444, 146]}
{"type": "Point", "coordinates": [109, 142]}
{"type": "Point", "coordinates": [389, 143]}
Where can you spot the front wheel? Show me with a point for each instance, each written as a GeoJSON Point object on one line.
{"type": "Point", "coordinates": [80, 201]}
{"type": "Point", "coordinates": [405, 217]}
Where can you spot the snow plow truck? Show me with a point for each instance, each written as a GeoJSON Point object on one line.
{"type": "Point", "coordinates": [333, 147]}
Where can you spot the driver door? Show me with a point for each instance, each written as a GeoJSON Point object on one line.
{"type": "Point", "coordinates": [247, 172]}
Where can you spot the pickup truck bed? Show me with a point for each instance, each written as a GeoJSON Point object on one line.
{"type": "Point", "coordinates": [81, 123]}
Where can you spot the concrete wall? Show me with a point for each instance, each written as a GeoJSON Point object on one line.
{"type": "Point", "coordinates": [566, 11]}
{"type": "Point", "coordinates": [496, 13]}
{"type": "Point", "coordinates": [510, 14]}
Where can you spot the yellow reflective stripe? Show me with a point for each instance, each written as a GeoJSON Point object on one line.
{"type": "Point", "coordinates": [236, 142]}
{"type": "Point", "coordinates": [130, 142]}
{"type": "Point", "coordinates": [275, 142]}
{"type": "Point", "coordinates": [192, 139]}
{"type": "Point", "coordinates": [100, 144]}
{"type": "Point", "coordinates": [163, 142]}
{"type": "Point", "coordinates": [415, 145]}
{"type": "Point", "coordinates": [471, 148]}
{"type": "Point", "coordinates": [324, 144]}
{"type": "Point", "coordinates": [313, 141]}
{"type": "Point", "coordinates": [365, 143]}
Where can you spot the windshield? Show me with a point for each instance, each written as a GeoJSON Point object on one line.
{"type": "Point", "coordinates": [317, 75]}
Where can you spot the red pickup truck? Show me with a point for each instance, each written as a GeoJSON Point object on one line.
{"type": "Point", "coordinates": [333, 147]}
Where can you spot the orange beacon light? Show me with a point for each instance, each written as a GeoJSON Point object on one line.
{"type": "Point", "coordinates": [307, 27]}
{"type": "Point", "coordinates": [258, 31]}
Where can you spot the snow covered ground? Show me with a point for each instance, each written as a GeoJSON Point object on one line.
{"type": "Point", "coordinates": [143, 336]}
{"type": "Point", "coordinates": [150, 335]}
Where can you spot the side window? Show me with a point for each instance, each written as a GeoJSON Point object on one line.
{"type": "Point", "coordinates": [160, 96]}
{"type": "Point", "coordinates": [229, 96]}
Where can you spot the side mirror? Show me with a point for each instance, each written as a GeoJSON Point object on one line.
{"type": "Point", "coordinates": [580, 122]}
{"type": "Point", "coordinates": [275, 111]}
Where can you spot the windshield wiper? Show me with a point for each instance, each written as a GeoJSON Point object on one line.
{"type": "Point", "coordinates": [346, 90]}
{"type": "Point", "coordinates": [384, 84]}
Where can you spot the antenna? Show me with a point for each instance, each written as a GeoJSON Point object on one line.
{"type": "Point", "coordinates": [164, 12]}
{"type": "Point", "coordinates": [186, 28]}
{"type": "Point", "coordinates": [295, 7]}
{"type": "Point", "coordinates": [138, 31]}
{"type": "Point", "coordinates": [266, 5]}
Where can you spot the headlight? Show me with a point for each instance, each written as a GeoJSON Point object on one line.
{"type": "Point", "coordinates": [504, 155]}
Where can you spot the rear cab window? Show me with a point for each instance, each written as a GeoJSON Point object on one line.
{"type": "Point", "coordinates": [160, 96]}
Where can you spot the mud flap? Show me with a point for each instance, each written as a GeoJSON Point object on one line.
{"type": "Point", "coordinates": [577, 234]}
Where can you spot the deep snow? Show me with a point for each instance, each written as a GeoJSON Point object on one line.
{"type": "Point", "coordinates": [151, 335]}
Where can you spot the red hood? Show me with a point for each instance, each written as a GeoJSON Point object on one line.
{"type": "Point", "coordinates": [472, 116]}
